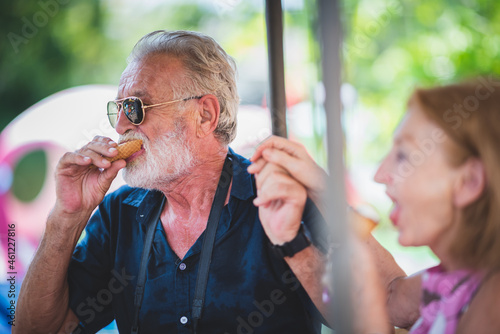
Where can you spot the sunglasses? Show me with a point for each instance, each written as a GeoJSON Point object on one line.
{"type": "Point", "coordinates": [134, 109]}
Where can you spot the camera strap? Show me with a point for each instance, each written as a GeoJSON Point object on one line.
{"type": "Point", "coordinates": [209, 241]}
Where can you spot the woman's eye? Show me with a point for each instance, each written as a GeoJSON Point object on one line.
{"type": "Point", "coordinates": [400, 156]}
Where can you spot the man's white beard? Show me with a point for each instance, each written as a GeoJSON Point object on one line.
{"type": "Point", "coordinates": [164, 160]}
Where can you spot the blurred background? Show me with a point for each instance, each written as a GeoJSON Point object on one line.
{"type": "Point", "coordinates": [60, 62]}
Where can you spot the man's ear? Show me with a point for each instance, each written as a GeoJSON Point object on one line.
{"type": "Point", "coordinates": [470, 183]}
{"type": "Point", "coordinates": [208, 115]}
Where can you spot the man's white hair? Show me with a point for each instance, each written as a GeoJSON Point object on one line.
{"type": "Point", "coordinates": [209, 70]}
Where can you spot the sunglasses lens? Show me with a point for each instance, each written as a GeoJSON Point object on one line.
{"type": "Point", "coordinates": [112, 113]}
{"type": "Point", "coordinates": [132, 108]}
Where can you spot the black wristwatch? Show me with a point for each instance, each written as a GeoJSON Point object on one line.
{"type": "Point", "coordinates": [292, 247]}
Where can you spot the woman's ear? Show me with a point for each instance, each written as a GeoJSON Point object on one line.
{"type": "Point", "coordinates": [208, 115]}
{"type": "Point", "coordinates": [471, 182]}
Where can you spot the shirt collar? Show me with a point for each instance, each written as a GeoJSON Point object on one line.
{"type": "Point", "coordinates": [243, 184]}
{"type": "Point", "coordinates": [242, 188]}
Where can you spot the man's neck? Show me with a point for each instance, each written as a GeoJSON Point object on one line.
{"type": "Point", "coordinates": [189, 198]}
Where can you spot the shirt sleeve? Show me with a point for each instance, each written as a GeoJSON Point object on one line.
{"type": "Point", "coordinates": [90, 276]}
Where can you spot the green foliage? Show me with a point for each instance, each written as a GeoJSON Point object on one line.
{"type": "Point", "coordinates": [46, 47]}
{"type": "Point", "coordinates": [393, 46]}
{"type": "Point", "coordinates": [51, 45]}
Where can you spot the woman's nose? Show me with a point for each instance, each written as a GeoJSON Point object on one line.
{"type": "Point", "coordinates": [383, 174]}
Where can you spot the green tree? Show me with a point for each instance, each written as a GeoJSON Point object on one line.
{"type": "Point", "coordinates": [44, 43]}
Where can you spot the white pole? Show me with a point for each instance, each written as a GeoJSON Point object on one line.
{"type": "Point", "coordinates": [336, 215]}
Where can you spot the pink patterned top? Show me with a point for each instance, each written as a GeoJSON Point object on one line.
{"type": "Point", "coordinates": [445, 297]}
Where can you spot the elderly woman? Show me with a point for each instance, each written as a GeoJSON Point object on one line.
{"type": "Point", "coordinates": [442, 175]}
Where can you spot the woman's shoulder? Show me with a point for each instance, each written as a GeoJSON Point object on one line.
{"type": "Point", "coordinates": [483, 314]}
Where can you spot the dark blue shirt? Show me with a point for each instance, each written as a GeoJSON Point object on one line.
{"type": "Point", "coordinates": [249, 290]}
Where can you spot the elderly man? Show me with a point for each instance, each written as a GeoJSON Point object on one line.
{"type": "Point", "coordinates": [258, 275]}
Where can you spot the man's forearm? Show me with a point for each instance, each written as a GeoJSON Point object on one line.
{"type": "Point", "coordinates": [44, 296]}
{"type": "Point", "coordinates": [367, 291]}
{"type": "Point", "coordinates": [308, 266]}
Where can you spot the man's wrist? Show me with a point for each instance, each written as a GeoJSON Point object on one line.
{"type": "Point", "coordinates": [63, 223]}
{"type": "Point", "coordinates": [301, 241]}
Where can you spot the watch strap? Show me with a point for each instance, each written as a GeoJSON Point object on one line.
{"type": "Point", "coordinates": [297, 244]}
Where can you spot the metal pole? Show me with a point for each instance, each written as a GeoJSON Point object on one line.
{"type": "Point", "coordinates": [331, 34]}
{"type": "Point", "coordinates": [277, 97]}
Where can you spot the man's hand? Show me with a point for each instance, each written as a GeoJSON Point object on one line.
{"type": "Point", "coordinates": [80, 186]}
{"type": "Point", "coordinates": [281, 200]}
{"type": "Point", "coordinates": [295, 160]}
{"type": "Point", "coordinates": [82, 179]}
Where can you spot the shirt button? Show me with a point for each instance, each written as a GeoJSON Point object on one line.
{"type": "Point", "coordinates": [183, 320]}
{"type": "Point", "coordinates": [182, 266]}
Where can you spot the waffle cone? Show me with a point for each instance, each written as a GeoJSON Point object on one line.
{"type": "Point", "coordinates": [126, 149]}
{"type": "Point", "coordinates": [362, 225]}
